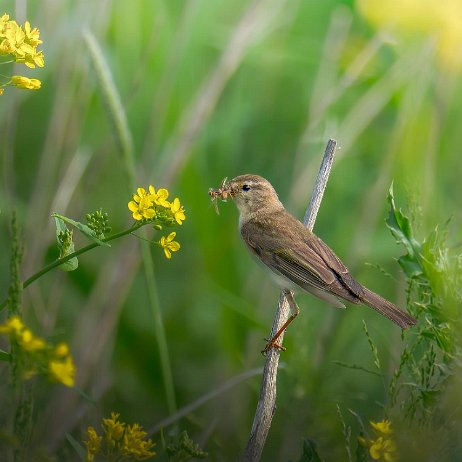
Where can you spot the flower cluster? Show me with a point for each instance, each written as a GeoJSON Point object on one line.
{"type": "Point", "coordinates": [152, 206]}
{"type": "Point", "coordinates": [20, 42]}
{"type": "Point", "coordinates": [36, 356]}
{"type": "Point", "coordinates": [148, 205]}
{"type": "Point", "coordinates": [383, 447]}
{"type": "Point", "coordinates": [118, 442]}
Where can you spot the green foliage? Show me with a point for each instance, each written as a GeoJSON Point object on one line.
{"type": "Point", "coordinates": [98, 222]}
{"type": "Point", "coordinates": [87, 231]}
{"type": "Point", "coordinates": [186, 98]}
{"type": "Point", "coordinates": [15, 285]}
{"type": "Point", "coordinates": [183, 448]}
{"type": "Point", "coordinates": [309, 453]}
{"type": "Point", "coordinates": [65, 245]}
{"type": "Point", "coordinates": [361, 453]}
{"type": "Point", "coordinates": [401, 229]}
{"type": "Point", "coordinates": [4, 356]}
{"type": "Point", "coordinates": [428, 357]}
{"type": "Point", "coordinates": [374, 350]}
{"type": "Point", "coordinates": [346, 430]}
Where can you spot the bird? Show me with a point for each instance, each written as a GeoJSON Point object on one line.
{"type": "Point", "coordinates": [300, 260]}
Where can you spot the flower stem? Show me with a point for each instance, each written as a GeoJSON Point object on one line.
{"type": "Point", "coordinates": [81, 251]}
{"type": "Point", "coordinates": [159, 328]}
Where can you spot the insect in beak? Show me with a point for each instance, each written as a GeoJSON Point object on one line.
{"type": "Point", "coordinates": [222, 192]}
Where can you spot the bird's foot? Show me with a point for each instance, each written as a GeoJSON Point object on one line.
{"type": "Point", "coordinates": [272, 343]}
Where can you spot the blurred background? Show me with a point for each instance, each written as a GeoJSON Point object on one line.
{"type": "Point", "coordinates": [213, 90]}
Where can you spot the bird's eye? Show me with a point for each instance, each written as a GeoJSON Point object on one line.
{"type": "Point", "coordinates": [246, 187]}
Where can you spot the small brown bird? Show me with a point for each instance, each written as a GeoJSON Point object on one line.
{"type": "Point", "coordinates": [298, 258]}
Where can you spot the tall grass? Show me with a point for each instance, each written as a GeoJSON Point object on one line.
{"type": "Point", "coordinates": [208, 90]}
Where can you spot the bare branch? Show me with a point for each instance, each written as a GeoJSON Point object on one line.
{"type": "Point", "coordinates": [267, 400]}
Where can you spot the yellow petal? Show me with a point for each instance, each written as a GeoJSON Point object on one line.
{"type": "Point", "coordinates": [61, 349]}
{"type": "Point", "coordinates": [175, 205]}
{"type": "Point", "coordinates": [171, 236]}
{"type": "Point", "coordinates": [162, 193]}
{"type": "Point", "coordinates": [149, 213]}
{"type": "Point", "coordinates": [180, 217]}
{"type": "Point", "coordinates": [132, 206]}
{"type": "Point", "coordinates": [384, 426]}
{"type": "Point", "coordinates": [174, 246]}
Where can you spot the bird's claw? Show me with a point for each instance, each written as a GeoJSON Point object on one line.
{"type": "Point", "coordinates": [272, 344]}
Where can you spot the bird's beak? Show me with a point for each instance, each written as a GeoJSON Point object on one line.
{"type": "Point", "coordinates": [223, 192]}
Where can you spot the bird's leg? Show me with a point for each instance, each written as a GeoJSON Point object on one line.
{"type": "Point", "coordinates": [294, 310]}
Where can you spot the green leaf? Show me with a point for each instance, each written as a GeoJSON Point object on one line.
{"type": "Point", "coordinates": [79, 449]}
{"type": "Point", "coordinates": [5, 356]}
{"type": "Point", "coordinates": [357, 367]}
{"type": "Point", "coordinates": [410, 266]}
{"type": "Point", "coordinates": [361, 453]}
{"type": "Point", "coordinates": [399, 224]}
{"type": "Point", "coordinates": [309, 452]}
{"type": "Point", "coordinates": [73, 263]}
{"type": "Point", "coordinates": [401, 228]}
{"type": "Point", "coordinates": [82, 228]}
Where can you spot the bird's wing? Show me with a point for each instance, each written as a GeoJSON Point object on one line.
{"type": "Point", "coordinates": [308, 261]}
{"type": "Point", "coordinates": [306, 269]}
{"type": "Point", "coordinates": [302, 269]}
{"type": "Point", "coordinates": [336, 265]}
{"type": "Point", "coordinates": [302, 266]}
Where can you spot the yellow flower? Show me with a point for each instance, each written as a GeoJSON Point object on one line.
{"type": "Point", "coordinates": [31, 58]}
{"type": "Point", "coordinates": [3, 20]}
{"type": "Point", "coordinates": [119, 441]}
{"type": "Point", "coordinates": [178, 211]}
{"type": "Point", "coordinates": [63, 371]}
{"type": "Point", "coordinates": [26, 83]}
{"type": "Point", "coordinates": [383, 449]}
{"type": "Point", "coordinates": [32, 35]}
{"type": "Point", "coordinates": [1, 91]}
{"type": "Point", "coordinates": [13, 325]}
{"type": "Point", "coordinates": [61, 350]}
{"type": "Point", "coordinates": [113, 429]}
{"type": "Point", "coordinates": [93, 444]}
{"type": "Point", "coordinates": [29, 342]}
{"type": "Point", "coordinates": [134, 443]}
{"type": "Point", "coordinates": [21, 42]}
{"type": "Point", "coordinates": [141, 205]}
{"type": "Point", "coordinates": [13, 38]}
{"type": "Point", "coordinates": [169, 245]}
{"type": "Point", "coordinates": [383, 427]}
{"type": "Point", "coordinates": [37, 355]}
{"type": "Point", "coordinates": [159, 197]}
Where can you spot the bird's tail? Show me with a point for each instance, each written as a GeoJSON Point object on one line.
{"type": "Point", "coordinates": [387, 308]}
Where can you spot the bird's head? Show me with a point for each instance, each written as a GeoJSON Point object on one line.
{"type": "Point", "coordinates": [251, 193]}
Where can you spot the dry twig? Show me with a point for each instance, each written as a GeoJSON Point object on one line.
{"type": "Point", "coordinates": [267, 399]}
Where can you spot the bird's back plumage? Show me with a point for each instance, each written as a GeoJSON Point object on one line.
{"type": "Point", "coordinates": [310, 263]}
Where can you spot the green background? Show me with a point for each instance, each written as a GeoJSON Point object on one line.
{"type": "Point", "coordinates": [214, 89]}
